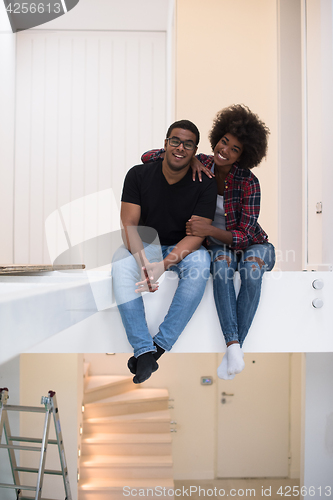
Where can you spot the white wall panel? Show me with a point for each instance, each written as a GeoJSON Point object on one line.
{"type": "Point", "coordinates": [134, 15]}
{"type": "Point", "coordinates": [318, 425]}
{"type": "Point", "coordinates": [319, 109]}
{"type": "Point", "coordinates": [7, 106]}
{"type": "Point", "coordinates": [290, 135]}
{"type": "Point", "coordinates": [88, 105]}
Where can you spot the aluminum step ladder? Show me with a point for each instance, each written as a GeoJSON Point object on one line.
{"type": "Point", "coordinates": [50, 409]}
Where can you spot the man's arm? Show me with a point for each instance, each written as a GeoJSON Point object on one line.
{"type": "Point", "coordinates": [198, 227]}
{"type": "Point", "coordinates": [130, 216]}
{"type": "Point", "coordinates": [184, 247]}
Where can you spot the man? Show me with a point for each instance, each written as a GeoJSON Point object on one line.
{"type": "Point", "coordinates": [162, 196]}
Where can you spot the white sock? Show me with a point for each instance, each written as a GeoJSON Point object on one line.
{"type": "Point", "coordinates": [222, 371]}
{"type": "Point", "coordinates": [235, 359]}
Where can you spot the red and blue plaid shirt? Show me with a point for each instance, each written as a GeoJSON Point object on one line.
{"type": "Point", "coordinates": [241, 201]}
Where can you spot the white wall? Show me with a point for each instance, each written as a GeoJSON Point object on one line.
{"type": "Point", "coordinates": [88, 104]}
{"type": "Point", "coordinates": [319, 109]}
{"type": "Point", "coordinates": [290, 227]}
{"type": "Point", "coordinates": [7, 106]}
{"type": "Point", "coordinates": [112, 15]}
{"type": "Point", "coordinates": [295, 395]}
{"type": "Point", "coordinates": [318, 424]}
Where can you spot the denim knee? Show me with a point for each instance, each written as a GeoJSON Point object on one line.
{"type": "Point", "coordinates": [262, 255]}
{"type": "Point", "coordinates": [123, 263]}
{"type": "Point", "coordinates": [251, 272]}
{"type": "Point", "coordinates": [222, 272]}
{"type": "Point", "coordinates": [223, 266]}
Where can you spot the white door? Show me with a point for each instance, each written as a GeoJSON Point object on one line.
{"type": "Point", "coordinates": [253, 419]}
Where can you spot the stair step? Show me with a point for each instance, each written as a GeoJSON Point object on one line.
{"type": "Point", "coordinates": [103, 386]}
{"type": "Point", "coordinates": [138, 395]}
{"type": "Point", "coordinates": [101, 467]}
{"type": "Point", "coordinates": [126, 444]}
{"type": "Point", "coordinates": [127, 438]}
{"type": "Point", "coordinates": [97, 460]}
{"type": "Point", "coordinates": [153, 422]}
{"type": "Point", "coordinates": [132, 483]}
{"type": "Point", "coordinates": [117, 489]}
{"type": "Point", "coordinates": [136, 401]}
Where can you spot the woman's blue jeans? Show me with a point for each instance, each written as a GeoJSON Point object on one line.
{"type": "Point", "coordinates": [193, 272]}
{"type": "Point", "coordinates": [236, 314]}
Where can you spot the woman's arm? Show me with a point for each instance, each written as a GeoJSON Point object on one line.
{"type": "Point", "coordinates": [244, 225]}
{"type": "Point", "coordinates": [197, 227]}
{"type": "Point", "coordinates": [198, 167]}
{"type": "Point", "coordinates": [200, 163]}
{"type": "Point", "coordinates": [241, 222]}
{"type": "Point", "coordinates": [152, 155]}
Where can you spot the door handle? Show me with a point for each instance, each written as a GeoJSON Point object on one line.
{"type": "Point", "coordinates": [224, 394]}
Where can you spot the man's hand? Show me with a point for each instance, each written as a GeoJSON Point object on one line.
{"type": "Point", "coordinates": [150, 274]}
{"type": "Point", "coordinates": [197, 226]}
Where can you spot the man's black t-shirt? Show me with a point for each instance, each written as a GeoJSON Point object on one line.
{"type": "Point", "coordinates": [167, 207]}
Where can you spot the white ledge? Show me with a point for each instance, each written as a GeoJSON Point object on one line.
{"type": "Point", "coordinates": [286, 320]}
{"type": "Point", "coordinates": [34, 308]}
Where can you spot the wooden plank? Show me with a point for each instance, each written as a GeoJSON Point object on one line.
{"type": "Point", "coordinates": [30, 268]}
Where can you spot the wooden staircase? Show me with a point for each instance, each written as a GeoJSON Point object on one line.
{"type": "Point", "coordinates": [126, 442]}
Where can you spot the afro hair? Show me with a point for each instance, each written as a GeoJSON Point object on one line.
{"type": "Point", "coordinates": [239, 121]}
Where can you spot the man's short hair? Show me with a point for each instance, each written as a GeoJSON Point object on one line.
{"type": "Point", "coordinates": [186, 125]}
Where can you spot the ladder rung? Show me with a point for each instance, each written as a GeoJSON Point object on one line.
{"type": "Point", "coordinates": [33, 498]}
{"type": "Point", "coordinates": [33, 409]}
{"type": "Point", "coordinates": [30, 440]}
{"type": "Point", "coordinates": [16, 447]}
{"type": "Point", "coordinates": [46, 471]}
{"type": "Point", "coordinates": [17, 487]}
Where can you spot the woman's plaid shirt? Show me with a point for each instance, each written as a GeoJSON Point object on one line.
{"type": "Point", "coordinates": [241, 202]}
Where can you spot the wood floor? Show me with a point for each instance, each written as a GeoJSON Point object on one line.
{"type": "Point", "coordinates": [272, 488]}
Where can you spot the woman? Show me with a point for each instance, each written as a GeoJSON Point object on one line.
{"type": "Point", "coordinates": [235, 240]}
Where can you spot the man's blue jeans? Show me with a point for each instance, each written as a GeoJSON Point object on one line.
{"type": "Point", "coordinates": [236, 315]}
{"type": "Point", "coordinates": [193, 272]}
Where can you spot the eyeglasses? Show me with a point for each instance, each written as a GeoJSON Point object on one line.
{"type": "Point", "coordinates": [175, 142]}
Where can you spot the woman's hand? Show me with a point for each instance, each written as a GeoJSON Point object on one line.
{"type": "Point", "coordinates": [196, 226]}
{"type": "Point", "coordinates": [197, 168]}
